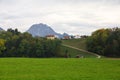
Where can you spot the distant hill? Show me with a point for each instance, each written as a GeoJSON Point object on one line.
{"type": "Point", "coordinates": [42, 30]}
{"type": "Point", "coordinates": [1, 29]}
{"type": "Point", "coordinates": [65, 34]}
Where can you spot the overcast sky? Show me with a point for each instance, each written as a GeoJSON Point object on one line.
{"type": "Point", "coordinates": [70, 16]}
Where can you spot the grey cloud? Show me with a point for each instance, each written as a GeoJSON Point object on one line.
{"type": "Point", "coordinates": [8, 2]}
{"type": "Point", "coordinates": [48, 2]}
{"type": "Point", "coordinates": [80, 24]}
{"type": "Point", "coordinates": [79, 16]}
{"type": "Point", "coordinates": [82, 1]}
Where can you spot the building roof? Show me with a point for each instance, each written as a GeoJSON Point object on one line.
{"type": "Point", "coordinates": [50, 36]}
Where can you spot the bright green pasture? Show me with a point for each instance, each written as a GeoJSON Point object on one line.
{"type": "Point", "coordinates": [59, 69]}
{"type": "Point", "coordinates": [78, 43]}
{"type": "Point", "coordinates": [74, 52]}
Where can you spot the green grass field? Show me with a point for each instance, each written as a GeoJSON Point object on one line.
{"type": "Point", "coordinates": [79, 43]}
{"type": "Point", "coordinates": [74, 52]}
{"type": "Point", "coordinates": [59, 69]}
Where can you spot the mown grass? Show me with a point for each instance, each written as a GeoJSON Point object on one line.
{"type": "Point", "coordinates": [59, 69]}
{"type": "Point", "coordinates": [74, 52]}
{"type": "Point", "coordinates": [78, 43]}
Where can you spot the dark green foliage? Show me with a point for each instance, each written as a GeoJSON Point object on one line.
{"type": "Point", "coordinates": [113, 43]}
{"type": "Point", "coordinates": [105, 42]}
{"type": "Point", "coordinates": [24, 45]}
{"type": "Point", "coordinates": [2, 46]}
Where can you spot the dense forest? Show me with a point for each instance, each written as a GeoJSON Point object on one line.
{"type": "Point", "coordinates": [13, 43]}
{"type": "Point", "coordinates": [105, 42]}
{"type": "Point", "coordinates": [16, 44]}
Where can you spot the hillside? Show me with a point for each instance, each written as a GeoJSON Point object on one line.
{"type": "Point", "coordinates": [78, 43]}
{"type": "Point", "coordinates": [73, 52]}
{"type": "Point", "coordinates": [78, 47]}
{"type": "Point", "coordinates": [1, 29]}
{"type": "Point", "coordinates": [42, 30]}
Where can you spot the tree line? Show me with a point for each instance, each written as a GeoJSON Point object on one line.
{"type": "Point", "coordinates": [105, 42]}
{"type": "Point", "coordinates": [16, 44]}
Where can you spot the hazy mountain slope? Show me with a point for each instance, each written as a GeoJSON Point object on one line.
{"type": "Point", "coordinates": [42, 30]}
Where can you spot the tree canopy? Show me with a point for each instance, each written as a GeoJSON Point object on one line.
{"type": "Point", "coordinates": [16, 44]}
{"type": "Point", "coordinates": [105, 42]}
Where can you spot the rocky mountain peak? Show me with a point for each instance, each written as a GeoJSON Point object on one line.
{"type": "Point", "coordinates": [41, 30]}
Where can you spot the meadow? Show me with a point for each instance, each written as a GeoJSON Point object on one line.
{"type": "Point", "coordinates": [78, 43]}
{"type": "Point", "coordinates": [73, 52]}
{"type": "Point", "coordinates": [59, 69]}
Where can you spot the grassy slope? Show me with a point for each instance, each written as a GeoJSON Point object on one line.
{"type": "Point", "coordinates": [59, 69]}
{"type": "Point", "coordinates": [79, 43]}
{"type": "Point", "coordinates": [74, 52]}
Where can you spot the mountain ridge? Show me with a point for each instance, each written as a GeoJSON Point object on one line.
{"type": "Point", "coordinates": [42, 30]}
{"type": "Point", "coordinates": [1, 29]}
